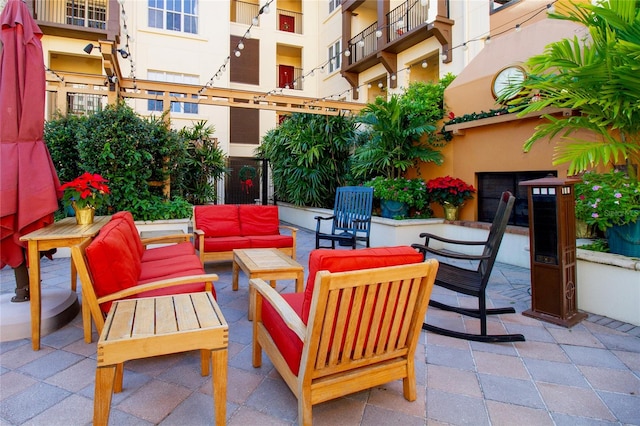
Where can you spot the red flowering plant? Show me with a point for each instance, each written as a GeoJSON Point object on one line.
{"type": "Point", "coordinates": [88, 190]}
{"type": "Point", "coordinates": [448, 190]}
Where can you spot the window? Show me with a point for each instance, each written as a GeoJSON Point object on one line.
{"type": "Point", "coordinates": [81, 103]}
{"type": "Point", "coordinates": [176, 106]}
{"type": "Point", "coordinates": [335, 54]}
{"type": "Point", "coordinates": [174, 15]}
{"type": "Point", "coordinates": [492, 184]}
{"type": "Point", "coordinates": [89, 13]}
{"type": "Point", "coordinates": [334, 4]}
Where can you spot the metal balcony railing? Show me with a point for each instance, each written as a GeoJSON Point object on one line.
{"type": "Point", "coordinates": [289, 21]}
{"type": "Point", "coordinates": [244, 12]}
{"type": "Point", "coordinates": [77, 13]}
{"type": "Point", "coordinates": [363, 44]}
{"type": "Point", "coordinates": [406, 17]}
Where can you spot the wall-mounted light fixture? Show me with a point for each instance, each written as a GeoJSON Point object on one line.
{"type": "Point", "coordinates": [89, 48]}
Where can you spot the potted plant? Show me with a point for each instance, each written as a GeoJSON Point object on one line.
{"type": "Point", "coordinates": [611, 202]}
{"type": "Point", "coordinates": [85, 194]}
{"type": "Point", "coordinates": [398, 195]}
{"type": "Point", "coordinates": [450, 193]}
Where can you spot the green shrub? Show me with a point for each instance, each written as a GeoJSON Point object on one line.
{"type": "Point", "coordinates": [129, 151]}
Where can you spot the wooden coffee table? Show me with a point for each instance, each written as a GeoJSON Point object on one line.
{"type": "Point", "coordinates": [153, 326]}
{"type": "Point", "coordinates": [268, 264]}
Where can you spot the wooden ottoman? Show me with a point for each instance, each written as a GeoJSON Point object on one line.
{"type": "Point", "coordinates": [153, 326]}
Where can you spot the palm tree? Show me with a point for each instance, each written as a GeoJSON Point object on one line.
{"type": "Point", "coordinates": [599, 76]}
{"type": "Point", "coordinates": [394, 141]}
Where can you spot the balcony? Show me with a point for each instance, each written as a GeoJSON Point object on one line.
{"type": "Point", "coordinates": [84, 19]}
{"type": "Point", "coordinates": [405, 26]}
{"type": "Point", "coordinates": [289, 21]}
{"type": "Point", "coordinates": [244, 12]}
{"type": "Point", "coordinates": [290, 77]}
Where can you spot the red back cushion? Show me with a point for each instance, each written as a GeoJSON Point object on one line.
{"type": "Point", "coordinates": [218, 220]}
{"type": "Point", "coordinates": [135, 241]}
{"type": "Point", "coordinates": [351, 260]}
{"type": "Point", "coordinates": [112, 263]}
{"type": "Point", "coordinates": [259, 220]}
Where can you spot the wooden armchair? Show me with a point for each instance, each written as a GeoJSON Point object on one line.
{"type": "Point", "coordinates": [379, 313]}
{"type": "Point", "coordinates": [351, 219]}
{"type": "Point", "coordinates": [469, 281]}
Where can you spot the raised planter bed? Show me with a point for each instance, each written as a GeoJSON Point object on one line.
{"type": "Point", "coordinates": [609, 285]}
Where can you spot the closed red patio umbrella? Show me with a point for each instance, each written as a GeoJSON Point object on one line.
{"type": "Point", "coordinates": [29, 184]}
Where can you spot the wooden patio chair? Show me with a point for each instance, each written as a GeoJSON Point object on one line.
{"type": "Point", "coordinates": [362, 328]}
{"type": "Point", "coordinates": [469, 281]}
{"type": "Point", "coordinates": [351, 219]}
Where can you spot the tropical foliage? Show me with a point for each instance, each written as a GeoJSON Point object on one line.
{"type": "Point", "coordinates": [401, 131]}
{"type": "Point", "coordinates": [204, 164]}
{"type": "Point", "coordinates": [309, 157]}
{"type": "Point", "coordinates": [599, 76]}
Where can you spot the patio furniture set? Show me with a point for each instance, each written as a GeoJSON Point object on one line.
{"type": "Point", "coordinates": [355, 324]}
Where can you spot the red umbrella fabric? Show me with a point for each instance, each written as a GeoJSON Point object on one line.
{"type": "Point", "coordinates": [28, 181]}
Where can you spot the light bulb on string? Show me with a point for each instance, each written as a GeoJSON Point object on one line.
{"type": "Point", "coordinates": [255, 21]}
{"type": "Point", "coordinates": [237, 53]}
{"type": "Point", "coordinates": [347, 53]}
{"type": "Point", "coordinates": [378, 33]}
{"type": "Point", "coordinates": [518, 29]}
{"type": "Point", "coordinates": [424, 64]}
{"type": "Point", "coordinates": [241, 45]}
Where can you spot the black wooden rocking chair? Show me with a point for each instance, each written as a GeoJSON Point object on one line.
{"type": "Point", "coordinates": [472, 282]}
{"type": "Point", "coordinates": [351, 219]}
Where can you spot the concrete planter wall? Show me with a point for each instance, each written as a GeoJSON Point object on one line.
{"type": "Point", "coordinates": [607, 284]}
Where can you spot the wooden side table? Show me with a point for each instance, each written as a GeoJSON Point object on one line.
{"type": "Point", "coordinates": [153, 326]}
{"type": "Point", "coordinates": [64, 233]}
{"type": "Point", "coordinates": [268, 264]}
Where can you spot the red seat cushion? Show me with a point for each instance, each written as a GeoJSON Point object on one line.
{"type": "Point", "coordinates": [287, 341]}
{"type": "Point", "coordinates": [271, 241]}
{"type": "Point", "coordinates": [226, 243]}
{"type": "Point", "coordinates": [166, 252]}
{"type": "Point", "coordinates": [162, 268]}
{"type": "Point", "coordinates": [259, 220]}
{"type": "Point", "coordinates": [351, 260]}
{"type": "Point", "coordinates": [218, 220]}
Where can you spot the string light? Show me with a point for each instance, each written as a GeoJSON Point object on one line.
{"type": "Point", "coordinates": [240, 46]}
{"type": "Point", "coordinates": [127, 48]}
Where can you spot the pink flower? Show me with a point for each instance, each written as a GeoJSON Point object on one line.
{"type": "Point", "coordinates": [617, 195]}
{"type": "Point", "coordinates": [595, 215]}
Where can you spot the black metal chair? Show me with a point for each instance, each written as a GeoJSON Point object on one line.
{"type": "Point", "coordinates": [472, 282]}
{"type": "Point", "coordinates": [351, 219]}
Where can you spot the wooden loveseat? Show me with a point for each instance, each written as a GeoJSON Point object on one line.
{"type": "Point", "coordinates": [221, 228]}
{"type": "Point", "coordinates": [116, 265]}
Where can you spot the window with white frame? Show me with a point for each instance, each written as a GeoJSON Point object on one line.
{"type": "Point", "coordinates": [176, 105]}
{"type": "Point", "coordinates": [335, 54]}
{"type": "Point", "coordinates": [334, 4]}
{"type": "Point", "coordinates": [174, 15]}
